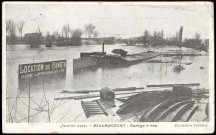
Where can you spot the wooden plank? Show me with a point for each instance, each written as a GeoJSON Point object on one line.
{"type": "Point", "coordinates": [86, 96]}
{"type": "Point", "coordinates": [64, 98]}
{"type": "Point", "coordinates": [192, 113]}
{"type": "Point", "coordinates": [110, 111]}
{"type": "Point", "coordinates": [171, 85]}
{"type": "Point", "coordinates": [128, 88]}
{"type": "Point", "coordinates": [115, 89]}
{"type": "Point", "coordinates": [89, 108]}
{"type": "Point", "coordinates": [93, 110]}
{"type": "Point", "coordinates": [93, 106]}
{"type": "Point", "coordinates": [84, 109]}
{"type": "Point", "coordinates": [158, 106]}
{"type": "Point", "coordinates": [102, 107]}
{"type": "Point", "coordinates": [89, 96]}
{"type": "Point", "coordinates": [98, 95]}
{"type": "Point", "coordinates": [74, 92]}
{"type": "Point", "coordinates": [96, 113]}
{"type": "Point", "coordinates": [182, 111]}
{"type": "Point", "coordinates": [75, 97]}
{"type": "Point", "coordinates": [171, 108]}
{"type": "Point", "coordinates": [91, 102]}
{"type": "Point", "coordinates": [121, 99]}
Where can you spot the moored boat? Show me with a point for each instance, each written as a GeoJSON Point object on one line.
{"type": "Point", "coordinates": [89, 59]}
{"type": "Point", "coordinates": [111, 60]}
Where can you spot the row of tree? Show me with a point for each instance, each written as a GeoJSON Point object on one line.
{"type": "Point", "coordinates": [67, 32]}
{"type": "Point", "coordinates": [66, 36]}
{"type": "Point", "coordinates": [11, 30]}
{"type": "Point", "coordinates": [69, 36]}
{"type": "Point", "coordinates": [11, 27]}
{"type": "Point", "coordinates": [157, 39]}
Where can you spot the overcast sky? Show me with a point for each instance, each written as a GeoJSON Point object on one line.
{"type": "Point", "coordinates": [114, 20]}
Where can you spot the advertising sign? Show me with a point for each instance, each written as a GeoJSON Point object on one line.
{"type": "Point", "coordinates": [44, 68]}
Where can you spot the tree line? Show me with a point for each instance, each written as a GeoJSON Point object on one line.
{"type": "Point", "coordinates": [69, 36]}
{"type": "Point", "coordinates": [66, 36]}
{"type": "Point", "coordinates": [12, 28]}
{"type": "Point", "coordinates": [158, 39]}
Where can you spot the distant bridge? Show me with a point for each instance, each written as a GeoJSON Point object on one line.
{"type": "Point", "coordinates": [91, 41]}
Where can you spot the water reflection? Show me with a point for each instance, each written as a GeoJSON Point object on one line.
{"type": "Point", "coordinates": [84, 70]}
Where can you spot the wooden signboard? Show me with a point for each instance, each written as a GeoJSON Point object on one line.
{"type": "Point", "coordinates": [43, 68]}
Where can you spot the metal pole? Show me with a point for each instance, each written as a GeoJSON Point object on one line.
{"type": "Point", "coordinates": [29, 104]}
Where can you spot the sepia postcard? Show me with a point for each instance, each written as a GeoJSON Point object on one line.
{"type": "Point", "coordinates": [108, 67]}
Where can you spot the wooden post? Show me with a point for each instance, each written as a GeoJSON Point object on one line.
{"type": "Point", "coordinates": [29, 103]}
{"type": "Point", "coordinates": [103, 48]}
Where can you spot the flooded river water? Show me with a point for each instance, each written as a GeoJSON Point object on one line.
{"type": "Point", "coordinates": [138, 75]}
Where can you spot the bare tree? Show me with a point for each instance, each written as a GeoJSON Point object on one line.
{"type": "Point", "coordinates": [38, 30]}
{"type": "Point", "coordinates": [162, 34]}
{"type": "Point", "coordinates": [146, 33]}
{"type": "Point", "coordinates": [197, 36]}
{"type": "Point", "coordinates": [76, 37]}
{"type": "Point", "coordinates": [20, 25]}
{"type": "Point", "coordinates": [144, 38]}
{"type": "Point", "coordinates": [197, 39]}
{"type": "Point", "coordinates": [89, 29]}
{"type": "Point", "coordinates": [155, 38]}
{"type": "Point", "coordinates": [11, 32]}
{"type": "Point", "coordinates": [95, 34]}
{"type": "Point", "coordinates": [66, 30]}
{"type": "Point", "coordinates": [47, 33]}
{"type": "Point", "coordinates": [10, 28]}
{"type": "Point", "coordinates": [56, 34]}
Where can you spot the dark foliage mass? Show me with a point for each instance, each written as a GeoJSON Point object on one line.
{"type": "Point", "coordinates": [33, 39]}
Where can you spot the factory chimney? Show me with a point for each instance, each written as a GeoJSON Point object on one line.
{"type": "Point", "coordinates": [103, 48]}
